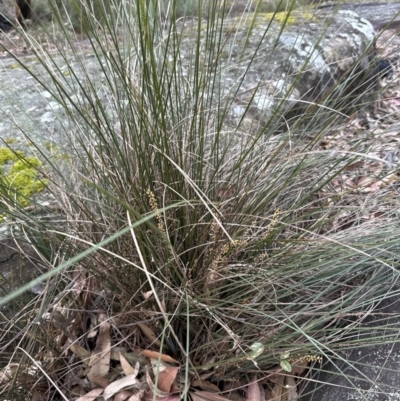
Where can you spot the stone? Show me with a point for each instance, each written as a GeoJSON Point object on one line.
{"type": "Point", "coordinates": [303, 60]}
{"type": "Point", "coordinates": [369, 373]}
{"type": "Point", "coordinates": [382, 15]}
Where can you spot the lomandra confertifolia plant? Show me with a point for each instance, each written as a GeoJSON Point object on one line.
{"type": "Point", "coordinates": [201, 256]}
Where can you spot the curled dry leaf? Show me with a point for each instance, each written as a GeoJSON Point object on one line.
{"type": "Point", "coordinates": [127, 367]}
{"type": "Point", "coordinates": [253, 391]}
{"type": "Point", "coordinates": [154, 390]}
{"type": "Point", "coordinates": [167, 378]}
{"type": "Point", "coordinates": [91, 395]}
{"type": "Point", "coordinates": [156, 355]}
{"type": "Point", "coordinates": [118, 385]}
{"type": "Point", "coordinates": [92, 334]}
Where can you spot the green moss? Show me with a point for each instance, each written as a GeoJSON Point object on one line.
{"type": "Point", "coordinates": [23, 178]}
{"type": "Point", "coordinates": [7, 155]}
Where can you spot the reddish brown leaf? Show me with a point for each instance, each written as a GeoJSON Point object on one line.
{"type": "Point", "coordinates": [156, 355]}
{"type": "Point", "coordinates": [166, 378]}
{"type": "Point", "coordinates": [253, 391]}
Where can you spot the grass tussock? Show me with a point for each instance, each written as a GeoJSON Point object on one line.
{"type": "Point", "coordinates": [187, 254]}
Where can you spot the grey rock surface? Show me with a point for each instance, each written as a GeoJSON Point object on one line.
{"type": "Point", "coordinates": [31, 120]}
{"type": "Point", "coordinates": [291, 64]}
{"type": "Point", "coordinates": [379, 13]}
{"type": "Point", "coordinates": [363, 373]}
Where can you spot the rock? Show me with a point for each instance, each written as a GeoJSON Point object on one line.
{"type": "Point", "coordinates": [374, 374]}
{"type": "Point", "coordinates": [382, 15]}
{"type": "Point", "coordinates": [315, 57]}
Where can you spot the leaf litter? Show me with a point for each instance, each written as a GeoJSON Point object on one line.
{"type": "Point", "coordinates": [115, 373]}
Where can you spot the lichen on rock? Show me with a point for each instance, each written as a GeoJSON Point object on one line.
{"type": "Point", "coordinates": [21, 179]}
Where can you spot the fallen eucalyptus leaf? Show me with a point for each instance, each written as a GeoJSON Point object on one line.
{"type": "Point", "coordinates": [118, 385]}
{"type": "Point", "coordinates": [127, 367]}
{"type": "Point", "coordinates": [91, 395]}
